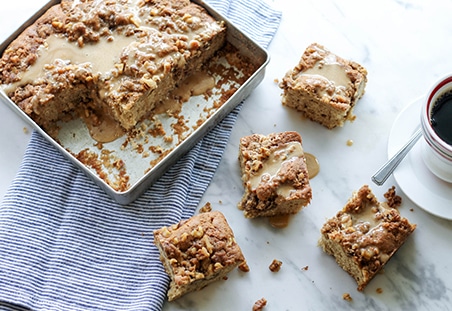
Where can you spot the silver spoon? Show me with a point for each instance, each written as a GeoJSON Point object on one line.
{"type": "Point", "coordinates": [388, 168]}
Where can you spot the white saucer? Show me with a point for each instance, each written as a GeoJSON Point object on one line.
{"type": "Point", "coordinates": [413, 177]}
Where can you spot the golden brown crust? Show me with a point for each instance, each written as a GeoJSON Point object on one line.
{"type": "Point", "coordinates": [364, 235]}
{"type": "Point", "coordinates": [274, 174]}
{"type": "Point", "coordinates": [197, 251]}
{"type": "Point", "coordinates": [170, 40]}
{"type": "Point", "coordinates": [326, 96]}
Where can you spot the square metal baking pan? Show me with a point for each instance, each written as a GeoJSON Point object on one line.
{"type": "Point", "coordinates": [200, 117]}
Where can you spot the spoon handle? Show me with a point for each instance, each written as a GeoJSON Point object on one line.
{"type": "Point", "coordinates": [388, 168]}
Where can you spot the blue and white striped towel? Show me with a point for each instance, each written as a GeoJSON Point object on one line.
{"type": "Point", "coordinates": [65, 245]}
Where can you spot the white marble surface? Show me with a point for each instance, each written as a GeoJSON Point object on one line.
{"type": "Point", "coordinates": [405, 47]}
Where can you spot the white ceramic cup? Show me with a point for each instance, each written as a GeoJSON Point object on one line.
{"type": "Point", "coordinates": [436, 153]}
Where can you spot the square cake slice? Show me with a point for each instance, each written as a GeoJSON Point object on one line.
{"type": "Point", "coordinates": [324, 86]}
{"type": "Point", "coordinates": [197, 252]}
{"type": "Point", "coordinates": [365, 234]}
{"type": "Point", "coordinates": [274, 175]}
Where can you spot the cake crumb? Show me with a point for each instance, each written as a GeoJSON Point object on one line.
{"type": "Point", "coordinates": [99, 145]}
{"type": "Point", "coordinates": [168, 138]}
{"type": "Point", "coordinates": [305, 268]}
{"type": "Point", "coordinates": [260, 304]}
{"type": "Point", "coordinates": [25, 130]}
{"type": "Point", "coordinates": [206, 208]}
{"type": "Point", "coordinates": [392, 198]}
{"type": "Point", "coordinates": [346, 296]}
{"type": "Point", "coordinates": [350, 142]}
{"type": "Point", "coordinates": [275, 266]}
{"type": "Point", "coordinates": [379, 290]}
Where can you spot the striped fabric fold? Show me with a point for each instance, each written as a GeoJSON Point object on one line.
{"type": "Point", "coordinates": [66, 245]}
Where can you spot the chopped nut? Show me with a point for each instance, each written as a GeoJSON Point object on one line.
{"type": "Point", "coordinates": [120, 67]}
{"type": "Point", "coordinates": [199, 275]}
{"type": "Point", "coordinates": [217, 266]}
{"type": "Point", "coordinates": [198, 232]}
{"type": "Point", "coordinates": [154, 12]}
{"type": "Point", "coordinates": [166, 67]}
{"type": "Point", "coordinates": [165, 232]}
{"type": "Point", "coordinates": [231, 241]}
{"type": "Point", "coordinates": [275, 266]}
{"type": "Point", "coordinates": [346, 296]}
{"type": "Point", "coordinates": [205, 254]}
{"type": "Point", "coordinates": [206, 208]}
{"type": "Point", "coordinates": [184, 237]}
{"type": "Point", "coordinates": [135, 22]}
{"type": "Point", "coordinates": [193, 45]}
{"type": "Point", "coordinates": [208, 244]}
{"type": "Point", "coordinates": [260, 304]}
{"type": "Point", "coordinates": [57, 24]}
{"type": "Point", "coordinates": [80, 42]}
{"type": "Point", "coordinates": [244, 267]}
{"type": "Point", "coordinates": [256, 165]}
{"type": "Point", "coordinates": [150, 83]}
{"type": "Point", "coordinates": [187, 18]}
{"type": "Point", "coordinates": [168, 139]}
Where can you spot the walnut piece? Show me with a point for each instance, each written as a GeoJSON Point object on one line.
{"type": "Point", "coordinates": [260, 304]}
{"type": "Point", "coordinates": [275, 266]}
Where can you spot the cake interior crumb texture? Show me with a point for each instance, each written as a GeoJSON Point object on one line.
{"type": "Point", "coordinates": [197, 252]}
{"type": "Point", "coordinates": [324, 86]}
{"type": "Point", "coordinates": [274, 175]}
{"type": "Point", "coordinates": [365, 234]}
{"type": "Point", "coordinates": [117, 59]}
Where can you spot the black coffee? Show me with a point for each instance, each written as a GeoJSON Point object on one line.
{"type": "Point", "coordinates": [441, 117]}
